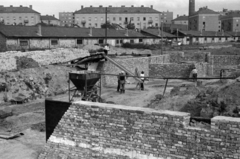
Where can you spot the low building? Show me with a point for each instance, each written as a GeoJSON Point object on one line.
{"type": "Point", "coordinates": [204, 37]}
{"type": "Point", "coordinates": [19, 15]}
{"type": "Point", "coordinates": [50, 20]}
{"type": "Point", "coordinates": [204, 20]}
{"type": "Point", "coordinates": [182, 20]}
{"type": "Point", "coordinates": [39, 37]}
{"type": "Point", "coordinates": [231, 21]}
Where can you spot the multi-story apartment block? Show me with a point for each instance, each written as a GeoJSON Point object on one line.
{"type": "Point", "coordinates": [204, 20]}
{"type": "Point", "coordinates": [19, 15]}
{"type": "Point", "coordinates": [50, 20]}
{"type": "Point", "coordinates": [231, 21]}
{"type": "Point", "coordinates": [141, 17]}
{"type": "Point", "coordinates": [167, 17]}
{"type": "Point", "coordinates": [182, 20]}
{"type": "Point", "coordinates": [66, 18]}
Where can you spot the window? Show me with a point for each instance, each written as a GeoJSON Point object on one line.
{"type": "Point", "coordinates": [197, 39]}
{"type": "Point", "coordinates": [226, 38]}
{"type": "Point", "coordinates": [120, 18]}
{"type": "Point", "coordinates": [140, 40]}
{"type": "Point", "coordinates": [54, 42]}
{"type": "Point", "coordinates": [96, 25]}
{"type": "Point", "coordinates": [138, 18]}
{"type": "Point", "coordinates": [144, 18]}
{"type": "Point", "coordinates": [131, 41]}
{"type": "Point", "coordinates": [96, 19]}
{"type": "Point", "coordinates": [89, 19]}
{"type": "Point", "coordinates": [121, 41]}
{"type": "Point", "coordinates": [212, 38]}
{"type": "Point", "coordinates": [79, 41]}
{"type": "Point", "coordinates": [205, 39]}
{"type": "Point", "coordinates": [100, 41]}
{"type": "Point", "coordinates": [220, 38]}
{"type": "Point", "coordinates": [132, 19]}
{"type": "Point", "coordinates": [23, 43]}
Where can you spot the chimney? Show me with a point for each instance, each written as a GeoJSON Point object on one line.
{"type": "Point", "coordinates": [100, 6]}
{"type": "Point", "coordinates": [126, 34]}
{"type": "Point", "coordinates": [90, 33]}
{"type": "Point", "coordinates": [30, 6]}
{"type": "Point", "coordinates": [191, 7]}
{"type": "Point", "coordinates": [132, 6]}
{"type": "Point", "coordinates": [90, 6]}
{"type": "Point", "coordinates": [53, 15]}
{"type": "Point", "coordinates": [20, 5]}
{"type": "Point", "coordinates": [39, 32]}
{"type": "Point", "coordinates": [177, 15]}
{"type": "Point", "coordinates": [123, 6]}
{"type": "Point", "coordinates": [82, 7]}
{"type": "Point", "coordinates": [142, 6]}
{"type": "Point", "coordinates": [110, 6]}
{"type": "Point", "coordinates": [152, 6]}
{"type": "Point", "coordinates": [11, 5]}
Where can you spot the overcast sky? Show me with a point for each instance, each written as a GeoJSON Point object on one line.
{"type": "Point", "coordinates": [180, 7]}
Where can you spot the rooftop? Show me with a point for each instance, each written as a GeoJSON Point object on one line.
{"type": "Point", "coordinates": [116, 10]}
{"type": "Point", "coordinates": [157, 32]}
{"type": "Point", "coordinates": [207, 33]}
{"type": "Point", "coordinates": [66, 32]}
{"type": "Point", "coordinates": [48, 17]}
{"type": "Point", "coordinates": [205, 10]}
{"type": "Point", "coordinates": [181, 18]}
{"type": "Point", "coordinates": [19, 9]}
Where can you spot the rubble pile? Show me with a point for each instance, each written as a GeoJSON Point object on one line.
{"type": "Point", "coordinates": [34, 83]}
{"type": "Point", "coordinates": [8, 60]}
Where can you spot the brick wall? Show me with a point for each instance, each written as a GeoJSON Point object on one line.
{"type": "Point", "coordinates": [96, 130]}
{"type": "Point", "coordinates": [170, 70]}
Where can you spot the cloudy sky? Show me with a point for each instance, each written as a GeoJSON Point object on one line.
{"type": "Point", "coordinates": [180, 7]}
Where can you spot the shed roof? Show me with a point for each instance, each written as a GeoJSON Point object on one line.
{"type": "Point", "coordinates": [157, 32]}
{"type": "Point", "coordinates": [65, 32]}
{"type": "Point", "coordinates": [181, 18]}
{"type": "Point", "coordinates": [205, 33]}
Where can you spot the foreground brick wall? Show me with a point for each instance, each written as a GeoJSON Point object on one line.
{"type": "Point", "coordinates": [103, 131]}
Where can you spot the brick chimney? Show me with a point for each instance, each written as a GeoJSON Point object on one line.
{"type": "Point", "coordinates": [151, 6]}
{"type": "Point", "coordinates": [20, 5]}
{"type": "Point", "coordinates": [142, 6]}
{"type": "Point", "coordinates": [82, 6]}
{"type": "Point", "coordinates": [39, 31]}
{"type": "Point", "coordinates": [30, 6]}
{"type": "Point", "coordinates": [126, 34]}
{"type": "Point", "coordinates": [90, 6]}
{"type": "Point", "coordinates": [110, 6]}
{"type": "Point", "coordinates": [100, 6]}
{"type": "Point", "coordinates": [123, 6]}
{"type": "Point", "coordinates": [53, 15]}
{"type": "Point", "coordinates": [11, 5]}
{"type": "Point", "coordinates": [90, 32]}
{"type": "Point", "coordinates": [132, 6]}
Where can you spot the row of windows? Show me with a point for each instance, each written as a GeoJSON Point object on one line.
{"type": "Point", "coordinates": [213, 38]}
{"type": "Point", "coordinates": [119, 18]}
{"type": "Point", "coordinates": [97, 25]}
{"type": "Point", "coordinates": [79, 41]}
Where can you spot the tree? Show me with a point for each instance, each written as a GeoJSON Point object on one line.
{"type": "Point", "coordinates": [108, 25]}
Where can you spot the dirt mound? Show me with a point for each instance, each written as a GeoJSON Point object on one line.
{"type": "Point", "coordinates": [26, 62]}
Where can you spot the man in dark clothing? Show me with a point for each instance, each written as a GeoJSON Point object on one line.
{"type": "Point", "coordinates": [118, 86]}
{"type": "Point", "coordinates": [122, 79]}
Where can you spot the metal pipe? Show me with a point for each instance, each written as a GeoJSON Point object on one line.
{"type": "Point", "coordinates": [162, 37]}
{"type": "Point", "coordinates": [106, 27]}
{"type": "Point", "coordinates": [182, 78]}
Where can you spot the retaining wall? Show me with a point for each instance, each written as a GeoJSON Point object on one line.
{"type": "Point", "coordinates": [97, 130]}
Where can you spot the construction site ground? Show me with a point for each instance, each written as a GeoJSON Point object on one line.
{"type": "Point", "coordinates": [28, 120]}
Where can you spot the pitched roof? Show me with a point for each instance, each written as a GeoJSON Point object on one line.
{"type": "Point", "coordinates": [17, 10]}
{"type": "Point", "coordinates": [116, 10]}
{"type": "Point", "coordinates": [181, 18]}
{"type": "Point", "coordinates": [205, 11]}
{"type": "Point", "coordinates": [231, 15]}
{"type": "Point", "coordinates": [157, 32]}
{"type": "Point", "coordinates": [48, 17]}
{"type": "Point", "coordinates": [65, 32]}
{"type": "Point", "coordinates": [205, 33]}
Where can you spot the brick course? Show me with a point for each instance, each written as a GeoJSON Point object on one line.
{"type": "Point", "coordinates": [95, 130]}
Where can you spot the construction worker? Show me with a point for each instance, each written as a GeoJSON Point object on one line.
{"type": "Point", "coordinates": [142, 78]}
{"type": "Point", "coordinates": [118, 86]}
{"type": "Point", "coordinates": [106, 49]}
{"type": "Point", "coordinates": [122, 81]}
{"type": "Point", "coordinates": [194, 74]}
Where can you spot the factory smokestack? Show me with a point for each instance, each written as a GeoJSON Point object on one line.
{"type": "Point", "coordinates": [191, 7]}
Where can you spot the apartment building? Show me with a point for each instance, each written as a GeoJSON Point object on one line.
{"type": "Point", "coordinates": [66, 18]}
{"type": "Point", "coordinates": [50, 20]}
{"type": "Point", "coordinates": [19, 15]}
{"type": "Point", "coordinates": [182, 20]}
{"type": "Point", "coordinates": [231, 21]}
{"type": "Point", "coordinates": [204, 20]}
{"type": "Point", "coordinates": [142, 17]}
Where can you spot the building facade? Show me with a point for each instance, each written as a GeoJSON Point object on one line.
{"type": "Point", "coordinates": [231, 21]}
{"type": "Point", "coordinates": [141, 17]}
{"type": "Point", "coordinates": [19, 15]}
{"type": "Point", "coordinates": [204, 20]}
{"type": "Point", "coordinates": [182, 20]}
{"type": "Point", "coordinates": [50, 20]}
{"type": "Point", "coordinates": [66, 18]}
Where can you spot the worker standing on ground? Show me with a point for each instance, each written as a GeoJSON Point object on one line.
{"type": "Point", "coordinates": [106, 49]}
{"type": "Point", "coordinates": [194, 74]}
{"type": "Point", "coordinates": [142, 78]}
{"type": "Point", "coordinates": [118, 86]}
{"type": "Point", "coordinates": [122, 79]}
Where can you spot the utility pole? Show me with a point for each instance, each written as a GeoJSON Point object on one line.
{"type": "Point", "coordinates": [161, 37]}
{"type": "Point", "coordinates": [106, 27]}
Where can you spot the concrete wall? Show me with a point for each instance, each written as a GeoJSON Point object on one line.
{"type": "Point", "coordinates": [97, 130]}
